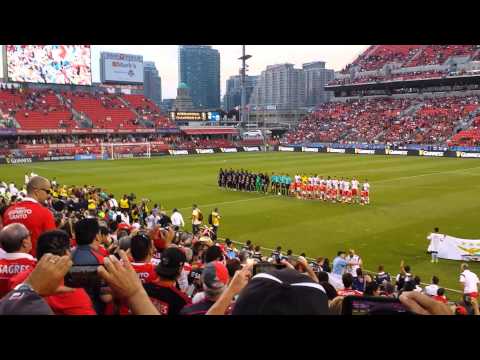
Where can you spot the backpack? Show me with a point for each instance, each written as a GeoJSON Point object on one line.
{"type": "Point", "coordinates": [200, 216]}
{"type": "Point", "coordinates": [210, 219]}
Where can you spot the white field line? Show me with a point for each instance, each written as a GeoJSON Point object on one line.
{"type": "Point", "coordinates": [429, 174]}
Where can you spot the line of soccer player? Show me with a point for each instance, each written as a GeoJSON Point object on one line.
{"type": "Point", "coordinates": [243, 180]}
{"type": "Point", "coordinates": [318, 188]}
{"type": "Point", "coordinates": [301, 186]}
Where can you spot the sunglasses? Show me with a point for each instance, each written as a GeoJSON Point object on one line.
{"type": "Point", "coordinates": [48, 191]}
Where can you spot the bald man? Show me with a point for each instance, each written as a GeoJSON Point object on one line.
{"type": "Point", "coordinates": [31, 212]}
{"type": "Point", "coordinates": [16, 242]}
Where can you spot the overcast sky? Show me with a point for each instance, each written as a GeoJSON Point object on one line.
{"type": "Point", "coordinates": [166, 59]}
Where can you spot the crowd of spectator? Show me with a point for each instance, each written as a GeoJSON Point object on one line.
{"type": "Point", "coordinates": [417, 75]}
{"type": "Point", "coordinates": [376, 56]}
{"type": "Point", "coordinates": [382, 120]}
{"type": "Point", "coordinates": [56, 145]}
{"type": "Point", "coordinates": [144, 262]}
{"type": "Point", "coordinates": [359, 121]}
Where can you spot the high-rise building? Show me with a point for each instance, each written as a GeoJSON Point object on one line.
{"type": "Point", "coordinates": [280, 86]}
{"type": "Point", "coordinates": [152, 83]}
{"type": "Point", "coordinates": [233, 94]}
{"type": "Point", "coordinates": [183, 102]}
{"type": "Point", "coordinates": [199, 68]}
{"type": "Point", "coordinates": [316, 77]}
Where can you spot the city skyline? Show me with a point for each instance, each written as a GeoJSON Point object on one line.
{"type": "Point", "coordinates": [166, 59]}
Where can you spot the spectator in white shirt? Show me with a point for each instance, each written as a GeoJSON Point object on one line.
{"type": "Point", "coordinates": [432, 289]}
{"type": "Point", "coordinates": [470, 281]}
{"type": "Point", "coordinates": [112, 202]}
{"type": "Point", "coordinates": [152, 220]}
{"type": "Point", "coordinates": [177, 219]}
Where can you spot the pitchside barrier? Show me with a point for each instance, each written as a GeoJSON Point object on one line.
{"type": "Point", "coordinates": [264, 249]}
{"type": "Point", "coordinates": [334, 149]}
{"type": "Point", "coordinates": [358, 151]}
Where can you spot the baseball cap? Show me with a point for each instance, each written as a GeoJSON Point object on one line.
{"type": "Point", "coordinates": [172, 260]}
{"type": "Point", "coordinates": [215, 275]}
{"type": "Point", "coordinates": [24, 303]}
{"type": "Point", "coordinates": [282, 292]}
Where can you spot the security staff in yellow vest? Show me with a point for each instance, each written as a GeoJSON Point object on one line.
{"type": "Point", "coordinates": [215, 222]}
{"type": "Point", "coordinates": [124, 204]}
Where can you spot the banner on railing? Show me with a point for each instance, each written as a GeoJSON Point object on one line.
{"type": "Point", "coordinates": [204, 151]}
{"type": "Point", "coordinates": [251, 148]}
{"type": "Point", "coordinates": [462, 154]}
{"type": "Point", "coordinates": [178, 152]}
{"type": "Point", "coordinates": [362, 151]}
{"type": "Point", "coordinates": [229, 150]}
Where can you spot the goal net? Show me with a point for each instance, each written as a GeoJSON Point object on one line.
{"type": "Point", "coordinates": [113, 151]}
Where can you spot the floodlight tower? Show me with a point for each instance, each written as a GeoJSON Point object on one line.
{"type": "Point", "coordinates": [244, 58]}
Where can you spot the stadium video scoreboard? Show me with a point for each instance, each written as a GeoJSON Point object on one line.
{"type": "Point", "coordinates": [194, 116]}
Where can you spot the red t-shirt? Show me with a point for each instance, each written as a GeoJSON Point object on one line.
{"type": "Point", "coordinates": [34, 216]}
{"type": "Point", "coordinates": [442, 299]}
{"type": "Point", "coordinates": [146, 273]}
{"type": "Point", "coordinates": [11, 265]}
{"type": "Point", "coordinates": [347, 292]}
{"type": "Point", "coordinates": [71, 303]}
{"type": "Point", "coordinates": [103, 251]}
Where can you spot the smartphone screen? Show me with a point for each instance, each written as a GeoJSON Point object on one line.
{"type": "Point", "coordinates": [359, 305]}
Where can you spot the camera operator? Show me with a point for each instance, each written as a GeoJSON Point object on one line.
{"type": "Point", "coordinates": [86, 232]}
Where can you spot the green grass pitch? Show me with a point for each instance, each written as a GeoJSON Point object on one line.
{"type": "Point", "coordinates": [409, 196]}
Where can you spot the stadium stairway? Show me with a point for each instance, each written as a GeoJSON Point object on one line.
{"type": "Point", "coordinates": [142, 122]}
{"type": "Point", "coordinates": [86, 123]}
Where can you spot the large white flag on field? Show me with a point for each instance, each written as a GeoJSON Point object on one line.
{"type": "Point", "coordinates": [453, 248]}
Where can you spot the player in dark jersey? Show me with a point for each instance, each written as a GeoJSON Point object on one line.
{"type": "Point", "coordinates": [266, 183]}
{"type": "Point", "coordinates": [220, 177]}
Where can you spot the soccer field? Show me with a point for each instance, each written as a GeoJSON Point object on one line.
{"type": "Point", "coordinates": [409, 196]}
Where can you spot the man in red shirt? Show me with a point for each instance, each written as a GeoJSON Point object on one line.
{"type": "Point", "coordinates": [15, 240]}
{"type": "Point", "coordinates": [67, 301]}
{"type": "Point", "coordinates": [347, 280]}
{"type": "Point", "coordinates": [141, 250]}
{"type": "Point", "coordinates": [30, 212]}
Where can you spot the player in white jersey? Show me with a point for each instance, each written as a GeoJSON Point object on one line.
{"type": "Point", "coordinates": [335, 190]}
{"type": "Point", "coordinates": [316, 187]}
{"type": "Point", "coordinates": [341, 186]}
{"type": "Point", "coordinates": [328, 184]}
{"type": "Point", "coordinates": [355, 194]}
{"type": "Point", "coordinates": [322, 187]}
{"type": "Point", "coordinates": [297, 179]}
{"type": "Point", "coordinates": [347, 192]}
{"type": "Point", "coordinates": [365, 193]}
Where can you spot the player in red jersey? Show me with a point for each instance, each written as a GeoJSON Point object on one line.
{"type": "Point", "coordinates": [292, 189]}
{"type": "Point", "coordinates": [30, 211]}
{"type": "Point", "coordinates": [16, 242]}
